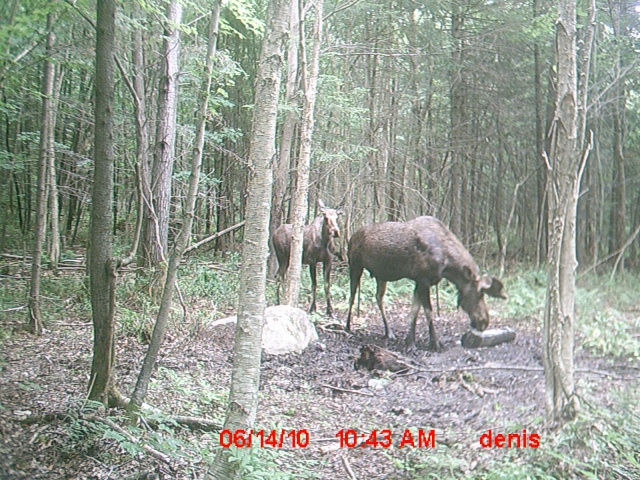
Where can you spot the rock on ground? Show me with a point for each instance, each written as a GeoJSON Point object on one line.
{"type": "Point", "coordinates": [286, 329]}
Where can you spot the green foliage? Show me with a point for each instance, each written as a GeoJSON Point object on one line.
{"type": "Point", "coordinates": [198, 396]}
{"type": "Point", "coordinates": [607, 324]}
{"type": "Point", "coordinates": [61, 297]}
{"type": "Point", "coordinates": [266, 464]}
{"type": "Point", "coordinates": [135, 323]}
{"type": "Point", "coordinates": [611, 333]}
{"type": "Point", "coordinates": [527, 292]}
{"type": "Point", "coordinates": [217, 282]}
{"type": "Point", "coordinates": [601, 443]}
{"type": "Point", "coordinates": [245, 19]}
{"type": "Point", "coordinates": [542, 27]}
{"type": "Point", "coordinates": [440, 463]}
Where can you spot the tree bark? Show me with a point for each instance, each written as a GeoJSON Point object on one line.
{"type": "Point", "coordinates": [458, 127]}
{"type": "Point", "coordinates": [243, 399]}
{"type": "Point", "coordinates": [35, 321]}
{"type": "Point", "coordinates": [617, 232]}
{"type": "Point", "coordinates": [157, 224]}
{"type": "Point", "coordinates": [185, 233]}
{"type": "Point", "coordinates": [542, 217]}
{"type": "Point", "coordinates": [143, 169]}
{"type": "Point", "coordinates": [101, 268]}
{"type": "Point", "coordinates": [54, 206]}
{"type": "Point", "coordinates": [299, 197]}
{"type": "Point", "coordinates": [565, 168]}
{"type": "Point", "coordinates": [282, 165]}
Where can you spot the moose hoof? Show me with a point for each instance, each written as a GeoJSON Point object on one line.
{"type": "Point", "coordinates": [436, 347]}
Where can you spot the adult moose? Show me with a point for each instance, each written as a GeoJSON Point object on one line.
{"type": "Point", "coordinates": [425, 251]}
{"type": "Point", "coordinates": [317, 246]}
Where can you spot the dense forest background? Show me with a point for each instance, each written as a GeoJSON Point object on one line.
{"type": "Point", "coordinates": [438, 108]}
{"type": "Point", "coordinates": [139, 138]}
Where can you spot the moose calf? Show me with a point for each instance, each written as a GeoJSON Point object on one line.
{"type": "Point", "coordinates": [317, 247]}
{"type": "Point", "coordinates": [425, 251]}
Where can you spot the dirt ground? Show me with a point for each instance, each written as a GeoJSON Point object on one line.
{"type": "Point", "coordinates": [459, 393]}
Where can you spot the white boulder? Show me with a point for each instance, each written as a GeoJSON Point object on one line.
{"type": "Point", "coordinates": [286, 329]}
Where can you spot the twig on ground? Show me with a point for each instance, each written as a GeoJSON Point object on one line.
{"type": "Point", "coordinates": [347, 390]}
{"type": "Point", "coordinates": [150, 450]}
{"type": "Point", "coordinates": [347, 467]}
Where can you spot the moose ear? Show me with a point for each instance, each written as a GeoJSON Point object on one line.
{"type": "Point", "coordinates": [468, 274]}
{"type": "Point", "coordinates": [492, 287]}
{"type": "Point", "coordinates": [321, 204]}
{"type": "Point", "coordinates": [340, 208]}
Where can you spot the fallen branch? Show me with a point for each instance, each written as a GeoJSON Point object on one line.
{"type": "Point", "coordinates": [15, 257]}
{"type": "Point", "coordinates": [347, 390]}
{"type": "Point", "coordinates": [347, 467]}
{"type": "Point", "coordinates": [195, 423]}
{"type": "Point", "coordinates": [214, 236]}
{"type": "Point", "coordinates": [14, 309]}
{"type": "Point", "coordinates": [150, 450]}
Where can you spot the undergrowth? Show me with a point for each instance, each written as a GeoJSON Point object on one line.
{"type": "Point", "coordinates": [601, 443]}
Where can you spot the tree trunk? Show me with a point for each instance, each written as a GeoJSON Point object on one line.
{"type": "Point", "coordinates": [458, 127]}
{"type": "Point", "coordinates": [617, 231]}
{"type": "Point", "coordinates": [157, 223]}
{"type": "Point", "coordinates": [185, 233]}
{"type": "Point", "coordinates": [283, 161]}
{"type": "Point", "coordinates": [35, 322]}
{"type": "Point", "coordinates": [101, 268]}
{"type": "Point", "coordinates": [143, 166]}
{"type": "Point", "coordinates": [565, 169]}
{"type": "Point", "coordinates": [243, 398]}
{"type": "Point", "coordinates": [539, 164]}
{"type": "Point", "coordinates": [54, 207]}
{"type": "Point", "coordinates": [300, 196]}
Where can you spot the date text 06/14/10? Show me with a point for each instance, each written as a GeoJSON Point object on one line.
{"type": "Point", "coordinates": [264, 438]}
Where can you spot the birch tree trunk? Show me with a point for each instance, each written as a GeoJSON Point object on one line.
{"type": "Point", "coordinates": [54, 206]}
{"type": "Point", "coordinates": [101, 267]}
{"type": "Point", "coordinates": [35, 322]}
{"type": "Point", "coordinates": [185, 233]}
{"type": "Point", "coordinates": [245, 379]}
{"type": "Point", "coordinates": [282, 164]}
{"type": "Point", "coordinates": [299, 197]}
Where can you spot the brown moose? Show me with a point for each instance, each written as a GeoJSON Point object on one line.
{"type": "Point", "coordinates": [425, 251]}
{"type": "Point", "coordinates": [317, 247]}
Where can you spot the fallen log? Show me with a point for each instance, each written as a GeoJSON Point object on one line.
{"type": "Point", "coordinates": [488, 338]}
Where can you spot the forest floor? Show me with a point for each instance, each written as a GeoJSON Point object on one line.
{"type": "Point", "coordinates": [458, 393]}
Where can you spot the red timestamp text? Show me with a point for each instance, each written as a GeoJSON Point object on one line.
{"type": "Point", "coordinates": [264, 438]}
{"type": "Point", "coordinates": [413, 438]}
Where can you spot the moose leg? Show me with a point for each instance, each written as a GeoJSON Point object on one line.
{"type": "Point", "coordinates": [382, 288]}
{"type": "Point", "coordinates": [425, 299]}
{"type": "Point", "coordinates": [314, 284]}
{"type": "Point", "coordinates": [279, 280]}
{"type": "Point", "coordinates": [327, 286]}
{"type": "Point", "coordinates": [354, 275]}
{"type": "Point", "coordinates": [415, 310]}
